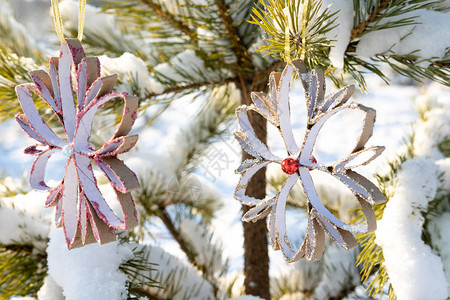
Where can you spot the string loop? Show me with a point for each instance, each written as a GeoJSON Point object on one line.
{"type": "Point", "coordinates": [58, 20]}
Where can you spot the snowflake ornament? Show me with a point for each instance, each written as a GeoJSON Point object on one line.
{"type": "Point", "coordinates": [299, 162]}
{"type": "Point", "coordinates": [81, 209]}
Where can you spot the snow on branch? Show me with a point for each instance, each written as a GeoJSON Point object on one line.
{"type": "Point", "coordinates": [414, 270]}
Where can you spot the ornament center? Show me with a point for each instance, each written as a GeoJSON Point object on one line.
{"type": "Point", "coordinates": [290, 166]}
{"type": "Point", "coordinates": [67, 150]}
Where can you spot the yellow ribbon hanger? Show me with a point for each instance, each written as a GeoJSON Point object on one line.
{"type": "Point", "coordinates": [58, 20]}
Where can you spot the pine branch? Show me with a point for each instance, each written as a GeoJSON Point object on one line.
{"type": "Point", "coordinates": [190, 87]}
{"type": "Point", "coordinates": [359, 29]}
{"type": "Point", "coordinates": [167, 220]}
{"type": "Point", "coordinates": [244, 60]}
{"type": "Point", "coordinates": [171, 19]}
{"type": "Point", "coordinates": [22, 270]}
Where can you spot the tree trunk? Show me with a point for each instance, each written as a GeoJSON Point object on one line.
{"type": "Point", "coordinates": [256, 255]}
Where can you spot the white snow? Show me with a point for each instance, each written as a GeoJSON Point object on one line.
{"type": "Point", "coordinates": [340, 36]}
{"type": "Point", "coordinates": [185, 283]}
{"type": "Point", "coordinates": [434, 128]}
{"type": "Point", "coordinates": [434, 40]}
{"type": "Point", "coordinates": [208, 250]}
{"type": "Point", "coordinates": [130, 68]}
{"type": "Point", "coordinates": [24, 219]}
{"type": "Point", "coordinates": [440, 239]}
{"type": "Point", "coordinates": [414, 270]}
{"type": "Point", "coordinates": [50, 290]}
{"type": "Point", "coordinates": [339, 272]}
{"type": "Point", "coordinates": [90, 272]}
{"type": "Point", "coordinates": [18, 35]}
{"type": "Point", "coordinates": [186, 65]}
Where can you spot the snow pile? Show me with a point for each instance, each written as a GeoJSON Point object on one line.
{"type": "Point", "coordinates": [339, 272]}
{"type": "Point", "coordinates": [440, 239]}
{"type": "Point", "coordinates": [405, 39]}
{"type": "Point", "coordinates": [340, 36]}
{"type": "Point", "coordinates": [414, 270]}
{"type": "Point", "coordinates": [88, 273]}
{"type": "Point", "coordinates": [130, 68]}
{"type": "Point", "coordinates": [433, 129]}
{"type": "Point", "coordinates": [25, 220]}
{"type": "Point", "coordinates": [181, 281]}
{"type": "Point", "coordinates": [186, 66]}
{"type": "Point", "coordinates": [17, 35]}
{"type": "Point", "coordinates": [208, 252]}
{"type": "Point", "coordinates": [50, 290]}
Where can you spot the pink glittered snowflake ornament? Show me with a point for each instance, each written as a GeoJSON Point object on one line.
{"type": "Point", "coordinates": [81, 209]}
{"type": "Point", "coordinates": [299, 162]}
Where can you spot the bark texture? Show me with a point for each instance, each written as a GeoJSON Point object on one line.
{"type": "Point", "coordinates": [256, 265]}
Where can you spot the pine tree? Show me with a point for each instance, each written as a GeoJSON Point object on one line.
{"type": "Point", "coordinates": [216, 52]}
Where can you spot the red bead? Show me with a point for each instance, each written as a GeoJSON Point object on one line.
{"type": "Point", "coordinates": [289, 166]}
{"type": "Point", "coordinates": [313, 160]}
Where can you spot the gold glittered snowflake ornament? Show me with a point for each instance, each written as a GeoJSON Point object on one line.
{"type": "Point", "coordinates": [299, 162]}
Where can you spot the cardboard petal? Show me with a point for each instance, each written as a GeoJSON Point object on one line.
{"type": "Point", "coordinates": [280, 217]}
{"type": "Point", "coordinates": [58, 213]}
{"type": "Point", "coordinates": [128, 209]}
{"type": "Point", "coordinates": [70, 203]}
{"type": "Point", "coordinates": [359, 158]}
{"type": "Point", "coordinates": [369, 214]}
{"type": "Point", "coordinates": [120, 176]}
{"type": "Point", "coordinates": [242, 140]}
{"type": "Point", "coordinates": [103, 234]}
{"type": "Point", "coordinates": [82, 84]}
{"type": "Point", "coordinates": [274, 82]}
{"type": "Point", "coordinates": [260, 100]}
{"type": "Point", "coordinates": [376, 195]}
{"type": "Point", "coordinates": [259, 211]}
{"type": "Point", "coordinates": [367, 127]}
{"type": "Point", "coordinates": [66, 91]}
{"type": "Point", "coordinates": [313, 243]}
{"type": "Point", "coordinates": [76, 50]}
{"type": "Point", "coordinates": [273, 231]}
{"type": "Point", "coordinates": [311, 135]}
{"type": "Point", "coordinates": [355, 187]}
{"type": "Point", "coordinates": [93, 69]}
{"type": "Point", "coordinates": [100, 87]}
{"type": "Point", "coordinates": [84, 221]}
{"type": "Point", "coordinates": [284, 111]}
{"type": "Point", "coordinates": [53, 70]}
{"type": "Point", "coordinates": [54, 196]}
{"type": "Point", "coordinates": [34, 119]}
{"type": "Point", "coordinates": [340, 236]}
{"type": "Point", "coordinates": [311, 194]}
{"type": "Point", "coordinates": [302, 73]}
{"type": "Point", "coordinates": [44, 85]}
{"type": "Point", "coordinates": [93, 195]}
{"type": "Point", "coordinates": [27, 128]}
{"type": "Point", "coordinates": [252, 139]}
{"type": "Point", "coordinates": [239, 192]}
{"type": "Point", "coordinates": [85, 120]}
{"type": "Point", "coordinates": [246, 165]}
{"type": "Point", "coordinates": [119, 145]}
{"type": "Point", "coordinates": [316, 93]}
{"type": "Point", "coordinates": [338, 98]}
{"type": "Point", "coordinates": [129, 115]}
{"type": "Point", "coordinates": [37, 173]}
